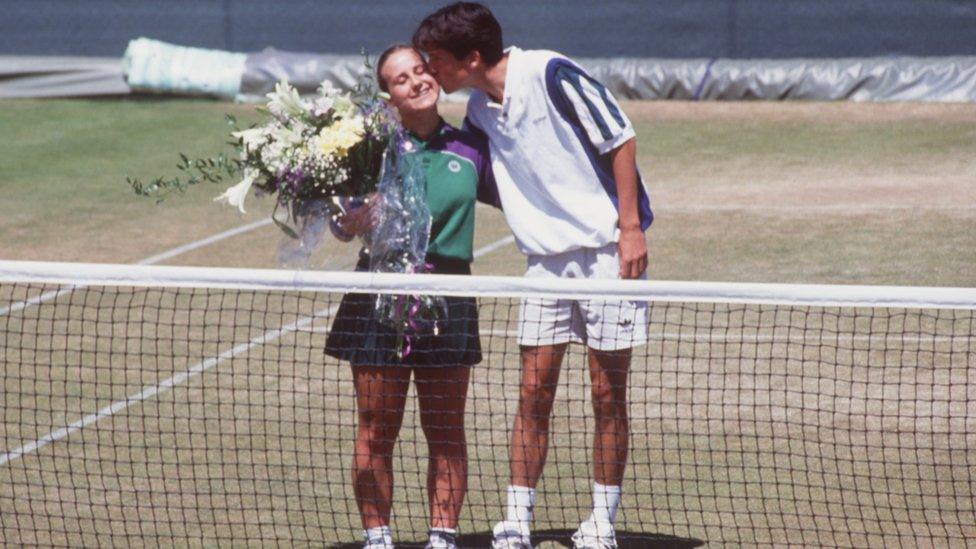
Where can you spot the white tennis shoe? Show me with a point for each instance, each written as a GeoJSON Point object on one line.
{"type": "Point", "coordinates": [438, 539]}
{"type": "Point", "coordinates": [382, 541]}
{"type": "Point", "coordinates": [510, 535]}
{"type": "Point", "coordinates": [595, 535]}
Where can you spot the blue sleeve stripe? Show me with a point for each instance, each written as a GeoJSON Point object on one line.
{"type": "Point", "coordinates": [611, 105]}
{"type": "Point", "coordinates": [575, 76]}
{"type": "Point", "coordinates": [565, 74]}
{"type": "Point", "coordinates": [605, 95]}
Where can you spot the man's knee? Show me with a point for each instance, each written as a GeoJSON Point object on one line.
{"type": "Point", "coordinates": [536, 399]}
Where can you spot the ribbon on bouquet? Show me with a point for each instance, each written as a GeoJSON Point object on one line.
{"type": "Point", "coordinates": [413, 304]}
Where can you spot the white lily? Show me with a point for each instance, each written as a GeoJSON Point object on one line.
{"type": "Point", "coordinates": [343, 105]}
{"type": "Point", "coordinates": [290, 137]}
{"type": "Point", "coordinates": [251, 137]}
{"type": "Point", "coordinates": [285, 99]}
{"type": "Point", "coordinates": [321, 106]}
{"type": "Point", "coordinates": [235, 195]}
{"type": "Point", "coordinates": [327, 88]}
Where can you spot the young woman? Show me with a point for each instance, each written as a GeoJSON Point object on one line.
{"type": "Point", "coordinates": [457, 173]}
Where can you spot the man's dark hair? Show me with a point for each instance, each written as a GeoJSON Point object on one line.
{"type": "Point", "coordinates": [459, 29]}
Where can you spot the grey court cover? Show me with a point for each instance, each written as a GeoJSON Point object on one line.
{"type": "Point", "coordinates": [44, 76]}
{"type": "Point", "coordinates": [151, 66]}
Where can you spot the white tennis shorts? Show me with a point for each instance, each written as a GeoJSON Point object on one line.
{"type": "Point", "coordinates": [599, 324]}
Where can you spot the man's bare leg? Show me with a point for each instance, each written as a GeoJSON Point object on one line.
{"type": "Point", "coordinates": [608, 379]}
{"type": "Point", "coordinates": [530, 433]}
{"type": "Point", "coordinates": [530, 441]}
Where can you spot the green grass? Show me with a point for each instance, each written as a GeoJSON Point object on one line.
{"type": "Point", "coordinates": [64, 165]}
{"type": "Point", "coordinates": [861, 146]}
{"type": "Point", "coordinates": [783, 440]}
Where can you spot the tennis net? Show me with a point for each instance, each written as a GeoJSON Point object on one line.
{"type": "Point", "coordinates": [167, 405]}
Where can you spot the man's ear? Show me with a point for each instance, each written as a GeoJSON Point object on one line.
{"type": "Point", "coordinates": [473, 60]}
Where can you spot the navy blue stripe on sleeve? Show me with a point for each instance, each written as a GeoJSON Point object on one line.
{"type": "Point", "coordinates": [569, 73]}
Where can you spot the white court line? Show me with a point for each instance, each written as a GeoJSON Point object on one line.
{"type": "Point", "coordinates": [154, 390]}
{"type": "Point", "coordinates": [487, 249]}
{"type": "Point", "coordinates": [46, 296]}
{"type": "Point", "coordinates": [193, 371]}
{"type": "Point", "coordinates": [826, 340]}
{"type": "Point", "coordinates": [819, 208]}
{"type": "Point", "coordinates": [151, 260]}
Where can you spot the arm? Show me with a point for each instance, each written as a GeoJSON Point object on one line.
{"type": "Point", "coordinates": [632, 248]}
{"type": "Point", "coordinates": [587, 103]}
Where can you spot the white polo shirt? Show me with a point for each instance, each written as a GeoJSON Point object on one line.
{"type": "Point", "coordinates": [548, 141]}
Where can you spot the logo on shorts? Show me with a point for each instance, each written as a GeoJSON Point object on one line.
{"type": "Point", "coordinates": [625, 322]}
{"type": "Point", "coordinates": [454, 166]}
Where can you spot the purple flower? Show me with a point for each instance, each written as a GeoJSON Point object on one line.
{"type": "Point", "coordinates": [290, 181]}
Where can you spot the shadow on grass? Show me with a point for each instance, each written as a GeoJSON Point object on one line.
{"type": "Point", "coordinates": [625, 540]}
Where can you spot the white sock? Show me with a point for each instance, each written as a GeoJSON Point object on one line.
{"type": "Point", "coordinates": [379, 531]}
{"type": "Point", "coordinates": [605, 502]}
{"type": "Point", "coordinates": [451, 531]}
{"type": "Point", "coordinates": [520, 502]}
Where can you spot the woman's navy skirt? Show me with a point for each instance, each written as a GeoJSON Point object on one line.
{"type": "Point", "coordinates": [358, 336]}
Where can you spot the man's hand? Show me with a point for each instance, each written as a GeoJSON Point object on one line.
{"type": "Point", "coordinates": [632, 250]}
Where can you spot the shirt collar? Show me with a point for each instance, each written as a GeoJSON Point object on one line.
{"type": "Point", "coordinates": [442, 128]}
{"type": "Point", "coordinates": [511, 74]}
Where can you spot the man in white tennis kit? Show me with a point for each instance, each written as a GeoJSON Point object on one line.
{"type": "Point", "coordinates": [564, 158]}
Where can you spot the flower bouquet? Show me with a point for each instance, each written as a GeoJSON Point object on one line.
{"type": "Point", "coordinates": [308, 153]}
{"type": "Point", "coordinates": [316, 156]}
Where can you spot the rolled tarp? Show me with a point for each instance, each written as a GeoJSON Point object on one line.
{"type": "Point", "coordinates": [158, 67]}
{"type": "Point", "coordinates": [155, 66]}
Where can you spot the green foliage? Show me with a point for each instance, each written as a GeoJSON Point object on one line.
{"type": "Point", "coordinates": [216, 169]}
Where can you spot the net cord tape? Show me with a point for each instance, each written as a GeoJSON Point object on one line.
{"type": "Point", "coordinates": [489, 286]}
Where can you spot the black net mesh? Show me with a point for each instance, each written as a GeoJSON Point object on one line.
{"type": "Point", "coordinates": [146, 416]}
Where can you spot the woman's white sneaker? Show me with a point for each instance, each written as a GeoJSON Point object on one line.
{"type": "Point", "coordinates": [439, 539]}
{"type": "Point", "coordinates": [377, 541]}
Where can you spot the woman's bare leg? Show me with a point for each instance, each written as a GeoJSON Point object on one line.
{"type": "Point", "coordinates": [381, 393]}
{"type": "Point", "coordinates": [443, 393]}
